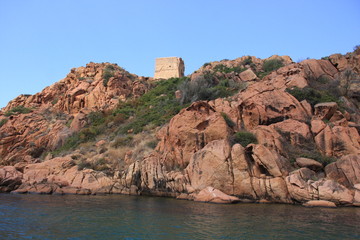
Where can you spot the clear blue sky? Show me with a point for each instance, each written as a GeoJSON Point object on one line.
{"type": "Point", "coordinates": [41, 40]}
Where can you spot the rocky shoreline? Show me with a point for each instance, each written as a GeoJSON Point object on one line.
{"type": "Point", "coordinates": [197, 156]}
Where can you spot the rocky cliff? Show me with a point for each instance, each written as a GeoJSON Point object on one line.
{"type": "Point", "coordinates": [288, 132]}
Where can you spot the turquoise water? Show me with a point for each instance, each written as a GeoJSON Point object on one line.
{"type": "Point", "coordinates": [129, 217]}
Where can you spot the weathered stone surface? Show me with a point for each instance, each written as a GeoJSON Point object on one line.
{"type": "Point", "coordinates": [268, 162]}
{"type": "Point", "coordinates": [325, 110]}
{"type": "Point", "coordinates": [300, 185]}
{"type": "Point", "coordinates": [169, 67]}
{"type": "Point", "coordinates": [264, 106]}
{"type": "Point", "coordinates": [210, 166]}
{"type": "Point", "coordinates": [332, 191]}
{"type": "Point", "coordinates": [338, 141]}
{"type": "Point", "coordinates": [60, 110]}
{"type": "Point", "coordinates": [269, 137]}
{"type": "Point", "coordinates": [317, 126]}
{"type": "Point", "coordinates": [345, 171]}
{"type": "Point", "coordinates": [179, 141]}
{"type": "Point", "coordinates": [10, 179]}
{"type": "Point", "coordinates": [309, 163]}
{"type": "Point", "coordinates": [212, 195]}
{"type": "Point", "coordinates": [318, 68]}
{"type": "Point", "coordinates": [60, 176]}
{"type": "Point", "coordinates": [320, 203]}
{"type": "Point", "coordinates": [197, 147]}
{"type": "Point", "coordinates": [298, 133]}
{"type": "Point", "coordinates": [247, 75]}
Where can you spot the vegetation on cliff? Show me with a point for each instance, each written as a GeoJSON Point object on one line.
{"type": "Point", "coordinates": [175, 136]}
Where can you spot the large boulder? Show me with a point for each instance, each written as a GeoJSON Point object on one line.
{"type": "Point", "coordinates": [180, 141]}
{"type": "Point", "coordinates": [248, 75]}
{"type": "Point", "coordinates": [265, 107]}
{"type": "Point", "coordinates": [10, 178]}
{"type": "Point", "coordinates": [309, 163]}
{"type": "Point", "coordinates": [338, 141]}
{"type": "Point", "coordinates": [345, 171]}
{"type": "Point", "coordinates": [326, 110]}
{"type": "Point", "coordinates": [212, 195]}
{"type": "Point", "coordinates": [318, 68]}
{"type": "Point", "coordinates": [211, 166]}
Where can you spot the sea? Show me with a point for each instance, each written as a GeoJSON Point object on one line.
{"type": "Point", "coordinates": [140, 217]}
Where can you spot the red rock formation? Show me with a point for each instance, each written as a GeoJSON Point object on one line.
{"type": "Point", "coordinates": [196, 157]}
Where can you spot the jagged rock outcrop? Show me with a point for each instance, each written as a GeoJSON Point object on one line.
{"type": "Point", "coordinates": [61, 176]}
{"type": "Point", "coordinates": [179, 141]}
{"type": "Point", "coordinates": [10, 179]}
{"type": "Point", "coordinates": [86, 88]}
{"type": "Point", "coordinates": [61, 109]}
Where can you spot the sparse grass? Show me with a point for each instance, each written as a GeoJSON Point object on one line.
{"type": "Point", "coordinates": [96, 126]}
{"type": "Point", "coordinates": [316, 155]}
{"type": "Point", "coordinates": [224, 69]}
{"type": "Point", "coordinates": [206, 64]}
{"type": "Point", "coordinates": [244, 138]}
{"type": "Point", "coordinates": [272, 65]}
{"type": "Point", "coordinates": [247, 61]}
{"type": "Point", "coordinates": [303, 148]}
{"type": "Point", "coordinates": [206, 87]}
{"type": "Point", "coordinates": [3, 122]}
{"type": "Point", "coordinates": [97, 165]}
{"type": "Point", "coordinates": [122, 141]}
{"type": "Point", "coordinates": [17, 110]}
{"type": "Point", "coordinates": [312, 95]}
{"type": "Point", "coordinates": [107, 74]}
{"type": "Point", "coordinates": [155, 107]}
{"type": "Point", "coordinates": [228, 120]}
{"type": "Point", "coordinates": [118, 153]}
{"type": "Point", "coordinates": [269, 66]}
{"type": "Point", "coordinates": [152, 144]}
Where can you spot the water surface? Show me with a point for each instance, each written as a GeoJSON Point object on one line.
{"type": "Point", "coordinates": [129, 217]}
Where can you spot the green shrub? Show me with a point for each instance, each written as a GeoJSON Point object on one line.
{"type": "Point", "coordinates": [53, 102]}
{"type": "Point", "coordinates": [323, 79]}
{"type": "Point", "coordinates": [98, 165]}
{"type": "Point", "coordinates": [206, 64]}
{"type": "Point", "coordinates": [224, 69]}
{"type": "Point", "coordinates": [272, 65]}
{"type": "Point", "coordinates": [316, 155]}
{"type": "Point", "coordinates": [244, 138]}
{"type": "Point", "coordinates": [155, 107]}
{"type": "Point", "coordinates": [110, 68]}
{"type": "Point", "coordinates": [107, 74]}
{"type": "Point", "coordinates": [17, 109]}
{"type": "Point", "coordinates": [247, 61]}
{"type": "Point", "coordinates": [2, 122]}
{"type": "Point", "coordinates": [96, 118]}
{"type": "Point", "coordinates": [205, 88]}
{"type": "Point", "coordinates": [311, 95]}
{"type": "Point", "coordinates": [106, 77]}
{"type": "Point", "coordinates": [83, 164]}
{"type": "Point", "coordinates": [126, 109]}
{"type": "Point", "coordinates": [228, 120]}
{"type": "Point", "coordinates": [261, 75]}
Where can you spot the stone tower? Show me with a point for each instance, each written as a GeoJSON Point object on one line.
{"type": "Point", "coordinates": [169, 67]}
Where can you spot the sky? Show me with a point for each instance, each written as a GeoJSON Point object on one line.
{"type": "Point", "coordinates": [41, 40]}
